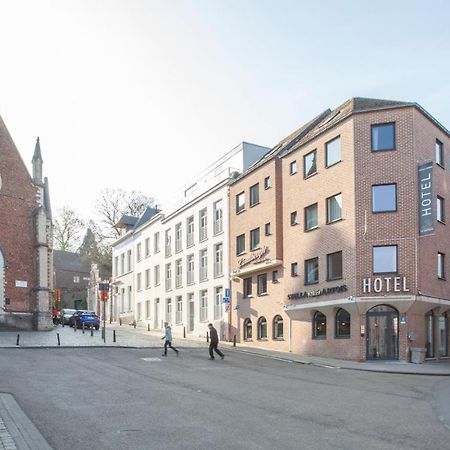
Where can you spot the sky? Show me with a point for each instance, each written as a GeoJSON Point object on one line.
{"type": "Point", "coordinates": [145, 94]}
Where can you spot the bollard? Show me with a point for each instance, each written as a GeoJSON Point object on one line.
{"type": "Point", "coordinates": [148, 327]}
{"type": "Point", "coordinates": [184, 332]}
{"type": "Point", "coordinates": [59, 342]}
{"type": "Point", "coordinates": [18, 339]}
{"type": "Point", "coordinates": [207, 337]}
{"type": "Point", "coordinates": [234, 341]}
{"type": "Point", "coordinates": [92, 331]}
{"type": "Point", "coordinates": [120, 321]}
{"type": "Point", "coordinates": [114, 335]}
{"type": "Point", "coordinates": [134, 324]}
{"type": "Point", "coordinates": [63, 322]}
{"type": "Point", "coordinates": [75, 326]}
{"type": "Point", "coordinates": [82, 327]}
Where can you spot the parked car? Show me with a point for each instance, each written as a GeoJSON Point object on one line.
{"type": "Point", "coordinates": [86, 318]}
{"type": "Point", "coordinates": [66, 314]}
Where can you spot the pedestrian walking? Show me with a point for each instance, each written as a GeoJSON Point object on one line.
{"type": "Point", "coordinates": [168, 339]}
{"type": "Point", "coordinates": [55, 315]}
{"type": "Point", "coordinates": [214, 342]}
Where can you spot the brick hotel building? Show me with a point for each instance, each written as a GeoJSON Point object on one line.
{"type": "Point", "coordinates": [338, 239]}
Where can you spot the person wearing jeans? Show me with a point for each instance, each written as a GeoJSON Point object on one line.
{"type": "Point", "coordinates": [168, 339]}
{"type": "Point", "coordinates": [214, 342]}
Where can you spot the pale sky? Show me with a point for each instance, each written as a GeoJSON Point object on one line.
{"type": "Point", "coordinates": [144, 94]}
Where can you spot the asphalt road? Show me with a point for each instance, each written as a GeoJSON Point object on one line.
{"type": "Point", "coordinates": [116, 398]}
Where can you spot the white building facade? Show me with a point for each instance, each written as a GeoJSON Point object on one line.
{"type": "Point", "coordinates": [174, 267]}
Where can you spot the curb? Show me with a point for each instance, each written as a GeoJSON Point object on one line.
{"type": "Point", "coordinates": [25, 435]}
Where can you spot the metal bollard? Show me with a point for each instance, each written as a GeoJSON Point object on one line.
{"type": "Point", "coordinates": [148, 327]}
{"type": "Point", "coordinates": [184, 332]}
{"type": "Point", "coordinates": [114, 335]}
{"type": "Point", "coordinates": [75, 326]}
{"type": "Point", "coordinates": [82, 327]}
{"type": "Point", "coordinates": [134, 324]}
{"type": "Point", "coordinates": [207, 337]}
{"type": "Point", "coordinates": [120, 321]}
{"type": "Point", "coordinates": [59, 342]}
{"type": "Point", "coordinates": [234, 341]}
{"type": "Point", "coordinates": [18, 339]}
{"type": "Point", "coordinates": [92, 331]}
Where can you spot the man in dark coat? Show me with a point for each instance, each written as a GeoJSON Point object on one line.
{"type": "Point", "coordinates": [214, 342]}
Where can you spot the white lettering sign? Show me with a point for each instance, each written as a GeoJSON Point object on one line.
{"type": "Point", "coordinates": [21, 283]}
{"type": "Point", "coordinates": [385, 284]}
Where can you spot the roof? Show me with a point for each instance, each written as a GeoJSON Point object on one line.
{"type": "Point", "coordinates": [146, 216]}
{"type": "Point", "coordinates": [70, 261]}
{"type": "Point", "coordinates": [126, 221]}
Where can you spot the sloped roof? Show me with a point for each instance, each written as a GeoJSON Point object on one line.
{"type": "Point", "coordinates": [146, 216]}
{"type": "Point", "coordinates": [70, 261]}
{"type": "Point", "coordinates": [126, 221]}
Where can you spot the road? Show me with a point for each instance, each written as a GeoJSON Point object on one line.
{"type": "Point", "coordinates": [118, 398]}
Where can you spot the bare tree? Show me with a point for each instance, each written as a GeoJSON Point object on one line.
{"type": "Point", "coordinates": [67, 229]}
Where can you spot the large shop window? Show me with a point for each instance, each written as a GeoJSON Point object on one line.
{"type": "Point", "coordinates": [319, 326]}
{"type": "Point", "coordinates": [278, 327]}
{"type": "Point", "coordinates": [383, 137]}
{"type": "Point", "coordinates": [384, 198]}
{"type": "Point", "coordinates": [429, 336]}
{"type": "Point", "coordinates": [385, 259]}
{"type": "Point", "coordinates": [342, 324]}
{"type": "Point", "coordinates": [262, 328]}
{"type": "Point", "coordinates": [247, 329]}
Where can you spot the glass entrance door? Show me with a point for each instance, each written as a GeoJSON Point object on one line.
{"type": "Point", "coordinates": [382, 333]}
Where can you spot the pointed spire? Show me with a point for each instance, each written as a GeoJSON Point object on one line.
{"type": "Point", "coordinates": [37, 163]}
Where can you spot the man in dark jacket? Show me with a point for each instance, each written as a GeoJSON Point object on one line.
{"type": "Point", "coordinates": [214, 342]}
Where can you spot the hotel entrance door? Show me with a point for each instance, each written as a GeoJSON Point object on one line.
{"type": "Point", "coordinates": [382, 333]}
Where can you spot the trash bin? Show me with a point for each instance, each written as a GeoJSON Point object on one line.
{"type": "Point", "coordinates": [418, 355]}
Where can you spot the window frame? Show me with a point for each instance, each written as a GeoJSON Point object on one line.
{"type": "Point", "coordinates": [262, 325]}
{"type": "Point", "coordinates": [380, 211]}
{"type": "Point", "coordinates": [439, 149]}
{"type": "Point", "coordinates": [240, 209]}
{"type": "Point", "coordinates": [293, 167]}
{"type": "Point", "coordinates": [275, 328]}
{"type": "Point", "coordinates": [441, 266]}
{"type": "Point", "coordinates": [337, 333]}
{"type": "Point", "coordinates": [315, 334]}
{"type": "Point", "coordinates": [327, 202]}
{"type": "Point", "coordinates": [305, 175]}
{"type": "Point", "coordinates": [240, 238]}
{"type": "Point", "coordinates": [440, 209]}
{"type": "Point", "coordinates": [308, 261]}
{"type": "Point", "coordinates": [247, 287]}
{"type": "Point", "coordinates": [267, 182]}
{"type": "Point", "coordinates": [373, 258]}
{"type": "Point", "coordinates": [294, 269]}
{"type": "Point", "coordinates": [247, 326]}
{"type": "Point", "coordinates": [267, 229]}
{"type": "Point", "coordinates": [305, 214]}
{"type": "Point", "coordinates": [263, 278]}
{"type": "Point", "coordinates": [254, 198]}
{"type": "Point", "coordinates": [380, 125]}
{"type": "Point", "coordinates": [253, 244]}
{"type": "Point", "coordinates": [327, 164]}
{"type": "Point", "coordinates": [294, 218]}
{"type": "Point", "coordinates": [329, 278]}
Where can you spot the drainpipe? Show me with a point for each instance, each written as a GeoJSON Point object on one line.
{"type": "Point", "coordinates": [290, 333]}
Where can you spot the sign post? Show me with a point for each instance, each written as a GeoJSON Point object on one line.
{"type": "Point", "coordinates": [103, 290]}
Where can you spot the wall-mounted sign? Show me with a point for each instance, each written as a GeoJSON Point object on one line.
{"type": "Point", "coordinates": [21, 283]}
{"type": "Point", "coordinates": [402, 320]}
{"type": "Point", "coordinates": [318, 292]}
{"type": "Point", "coordinates": [426, 216]}
{"type": "Point", "coordinates": [254, 257]}
{"type": "Point", "coordinates": [386, 284]}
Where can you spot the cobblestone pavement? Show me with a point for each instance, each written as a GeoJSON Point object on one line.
{"type": "Point", "coordinates": [6, 440]}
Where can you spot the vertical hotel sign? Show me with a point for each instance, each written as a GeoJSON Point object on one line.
{"type": "Point", "coordinates": [426, 216]}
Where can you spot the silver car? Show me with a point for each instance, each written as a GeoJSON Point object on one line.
{"type": "Point", "coordinates": [66, 314]}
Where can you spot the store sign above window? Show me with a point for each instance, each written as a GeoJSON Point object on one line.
{"type": "Point", "coordinates": [385, 284]}
{"type": "Point", "coordinates": [254, 257]}
{"type": "Point", "coordinates": [317, 292]}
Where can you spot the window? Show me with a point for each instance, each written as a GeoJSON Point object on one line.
{"type": "Point", "coordinates": [293, 167]}
{"type": "Point", "coordinates": [294, 269]}
{"type": "Point", "coordinates": [240, 244]}
{"type": "Point", "coordinates": [203, 264]}
{"type": "Point", "coordinates": [247, 329]}
{"type": "Point", "coordinates": [385, 259]}
{"type": "Point", "coordinates": [168, 277]}
{"type": "Point", "coordinates": [334, 266]}
{"type": "Point", "coordinates": [139, 311]}
{"type": "Point", "coordinates": [440, 211]}
{"type": "Point", "coordinates": [267, 229]}
{"type": "Point", "coordinates": [334, 208]}
{"type": "Point", "coordinates": [278, 327]}
{"type": "Point", "coordinates": [116, 266]}
{"type": "Point", "coordinates": [76, 279]}
{"type": "Point", "coordinates": [129, 298]}
{"type": "Point", "coordinates": [342, 324]}
{"type": "Point", "coordinates": [319, 326]}
{"type": "Point", "coordinates": [262, 284]}
{"type": "Point", "coordinates": [178, 273]}
{"type": "Point", "coordinates": [443, 334]}
{"type": "Point", "coordinates": [190, 269]}
{"type": "Point", "coordinates": [218, 295]}
{"type": "Point", "coordinates": [122, 263]}
{"type": "Point", "coordinates": [439, 153]}
{"type": "Point", "coordinates": [147, 247]}
{"type": "Point", "coordinates": [179, 312]}
{"type": "Point", "coordinates": [178, 238]}
{"type": "Point", "coordinates": [138, 251]}
{"type": "Point", "coordinates": [156, 242]}
{"type": "Point", "coordinates": [218, 260]}
{"type": "Point", "coordinates": [310, 164]}
{"type": "Point", "coordinates": [294, 219]}
{"type": "Point", "coordinates": [254, 239]}
{"type": "Point", "coordinates": [168, 243]}
{"type": "Point", "coordinates": [441, 266]}
{"type": "Point", "coordinates": [147, 279]}
{"type": "Point", "coordinates": [139, 281]}
{"type": "Point", "coordinates": [383, 137]}
{"type": "Point", "coordinates": [218, 217]}
{"type": "Point", "coordinates": [262, 328]}
{"type": "Point", "coordinates": [311, 220]}
{"type": "Point", "coordinates": [156, 276]}
{"type": "Point", "coordinates": [147, 309]}
{"type": "Point", "coordinates": [267, 183]}
{"type": "Point", "coordinates": [275, 276]}
{"type": "Point", "coordinates": [190, 231]}
{"type": "Point", "coordinates": [240, 202]}
{"type": "Point", "coordinates": [168, 310]}
{"type": "Point", "coordinates": [384, 198]}
{"type": "Point", "coordinates": [247, 287]}
{"type": "Point", "coordinates": [333, 152]}
{"type": "Point", "coordinates": [203, 305]}
{"type": "Point", "coordinates": [254, 195]}
{"type": "Point", "coordinates": [203, 220]}
{"type": "Point", "coordinates": [429, 334]}
{"type": "Point", "coordinates": [129, 260]}
{"type": "Point", "coordinates": [312, 271]}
